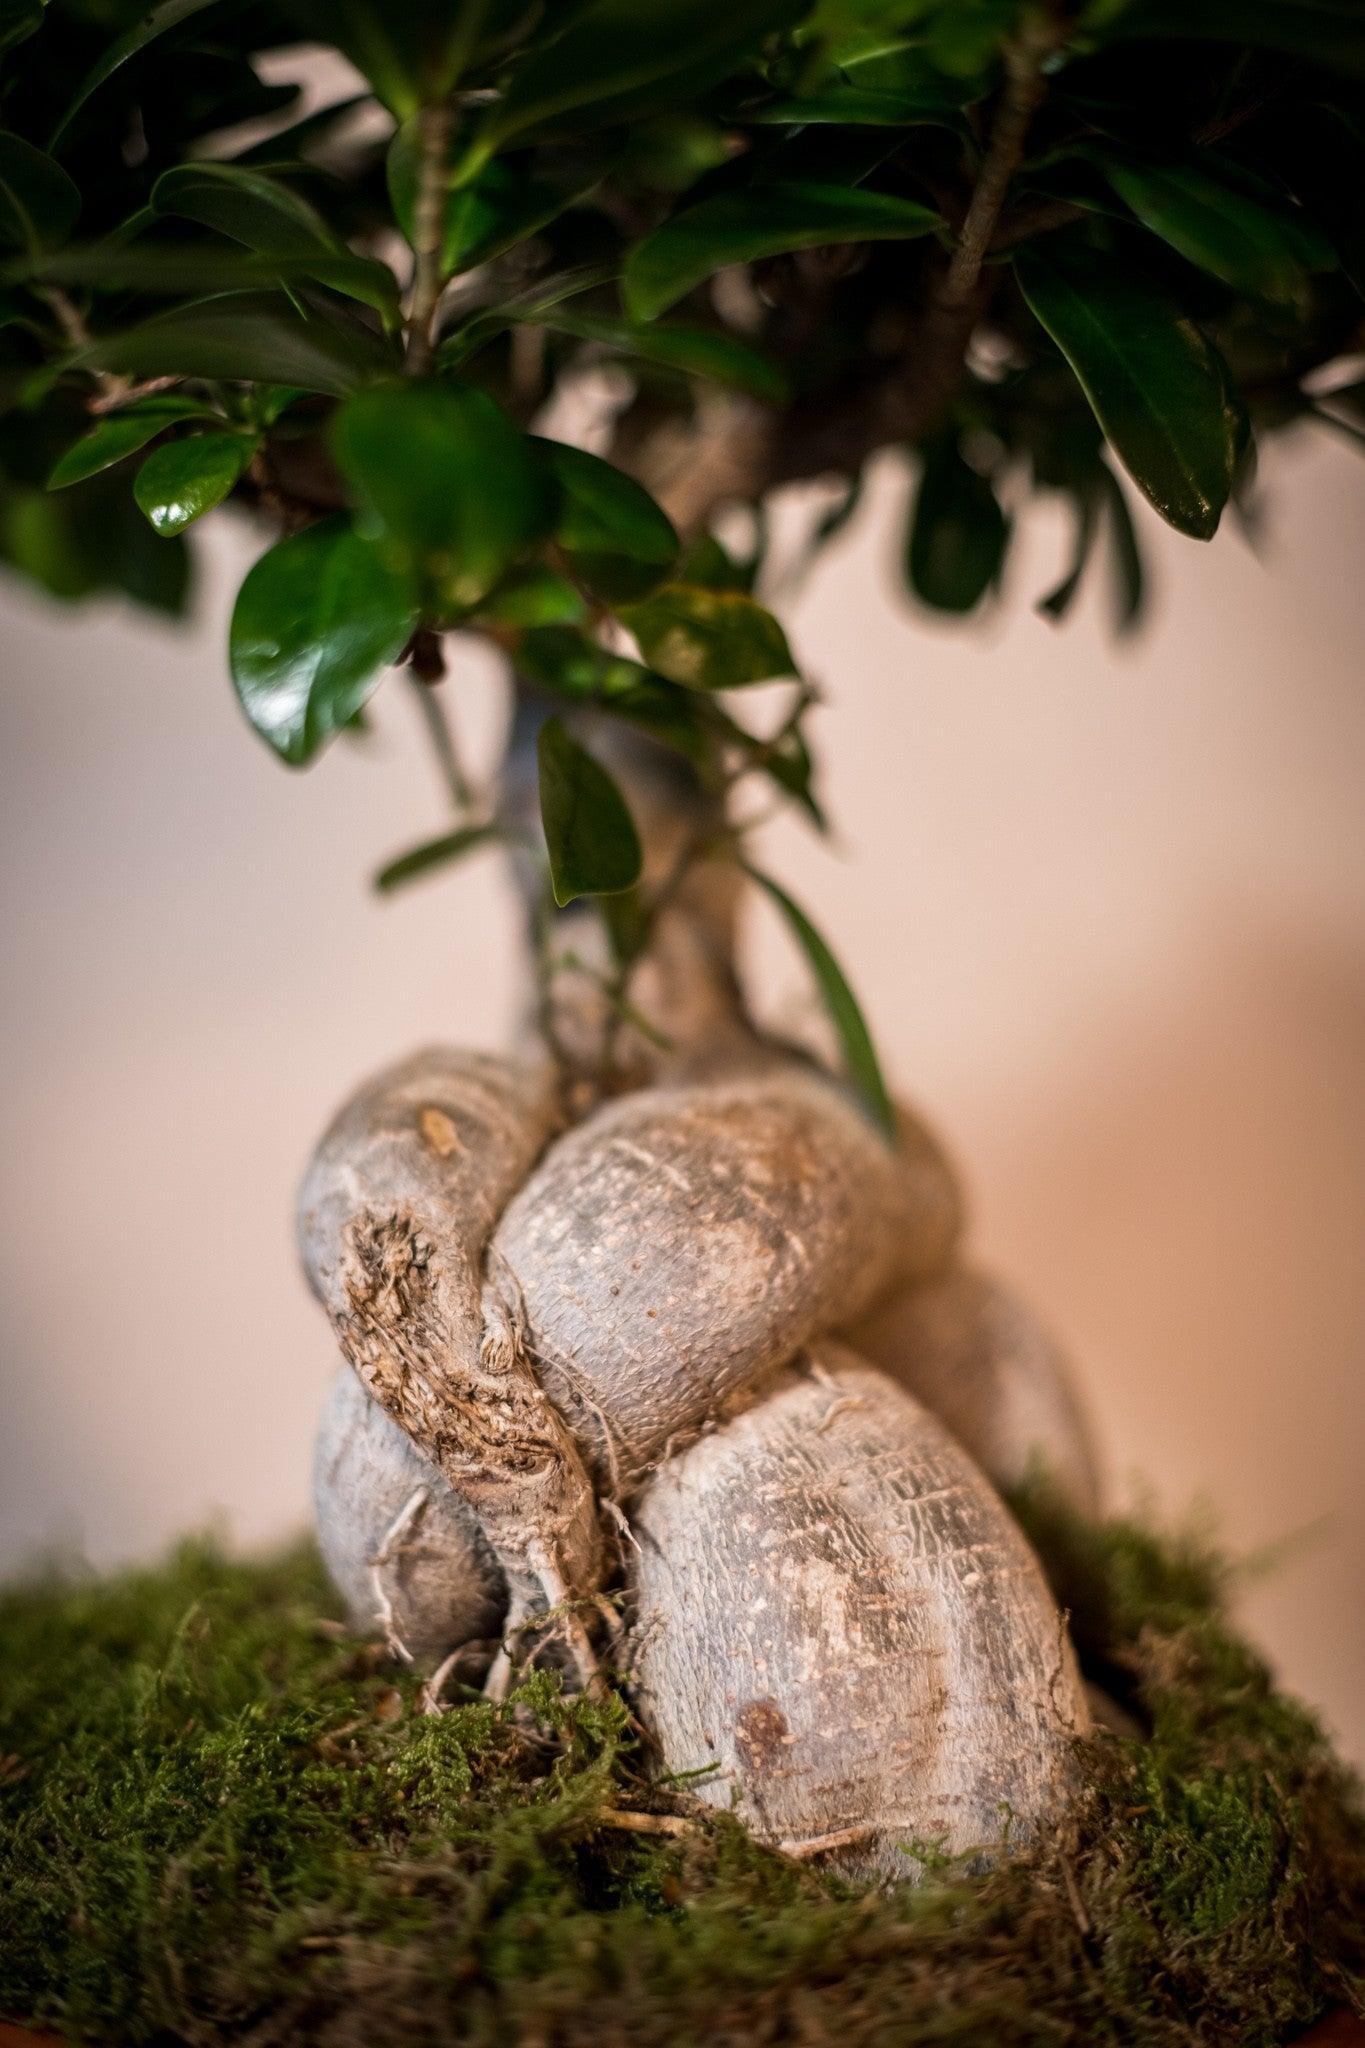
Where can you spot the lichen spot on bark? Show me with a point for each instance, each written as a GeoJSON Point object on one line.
{"type": "Point", "coordinates": [763, 1736]}
{"type": "Point", "coordinates": [439, 1134]}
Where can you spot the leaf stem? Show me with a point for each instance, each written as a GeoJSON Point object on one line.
{"type": "Point", "coordinates": [434, 125]}
{"type": "Point", "coordinates": [443, 746]}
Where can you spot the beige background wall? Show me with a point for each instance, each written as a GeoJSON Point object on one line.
{"type": "Point", "coordinates": [1107, 909]}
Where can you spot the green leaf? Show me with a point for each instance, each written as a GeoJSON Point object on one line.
{"type": "Point", "coordinates": [1254, 247]}
{"type": "Point", "coordinates": [534, 596]}
{"type": "Point", "coordinates": [1130, 590]}
{"type": "Point", "coordinates": [199, 267]}
{"type": "Point", "coordinates": [1155, 383]}
{"type": "Point", "coordinates": [182, 480]}
{"type": "Point", "coordinates": [576, 668]}
{"type": "Point", "coordinates": [246, 205]}
{"type": "Point", "coordinates": [317, 619]}
{"type": "Point", "coordinates": [454, 487]}
{"type": "Point", "coordinates": [615, 57]}
{"type": "Point", "coordinates": [618, 541]}
{"type": "Point", "coordinates": [19, 19]}
{"type": "Point", "coordinates": [708, 639]}
{"type": "Point", "coordinates": [762, 220]}
{"type": "Point", "coordinates": [692, 351]}
{"type": "Point", "coordinates": [250, 338]}
{"type": "Point", "coordinates": [145, 30]}
{"type": "Point", "coordinates": [412, 53]}
{"type": "Point", "coordinates": [958, 532]}
{"type": "Point", "coordinates": [590, 835]}
{"type": "Point", "coordinates": [435, 853]}
{"type": "Point", "coordinates": [268, 217]}
{"type": "Point", "coordinates": [1059, 600]}
{"type": "Point", "coordinates": [121, 435]}
{"type": "Point", "coordinates": [1327, 32]}
{"type": "Point", "coordinates": [1322, 158]}
{"type": "Point", "coordinates": [860, 1057]}
{"type": "Point", "coordinates": [507, 202]}
{"type": "Point", "coordinates": [846, 106]}
{"type": "Point", "coordinates": [38, 202]}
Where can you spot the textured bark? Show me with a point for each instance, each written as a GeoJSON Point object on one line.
{"type": "Point", "coordinates": [435, 1583]}
{"type": "Point", "coordinates": [394, 1218]}
{"type": "Point", "coordinates": [836, 1610]}
{"type": "Point", "coordinates": [975, 1354]}
{"type": "Point", "coordinates": [687, 1240]}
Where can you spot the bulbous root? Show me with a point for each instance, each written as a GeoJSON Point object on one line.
{"type": "Point", "coordinates": [601, 1347]}
{"type": "Point", "coordinates": [839, 1617]}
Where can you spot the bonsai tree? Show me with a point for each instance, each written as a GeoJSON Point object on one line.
{"type": "Point", "coordinates": [653, 1304]}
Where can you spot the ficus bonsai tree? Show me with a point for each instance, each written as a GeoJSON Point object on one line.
{"type": "Point", "coordinates": [661, 1359]}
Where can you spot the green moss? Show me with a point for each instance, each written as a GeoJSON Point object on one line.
{"type": "Point", "coordinates": [221, 1820]}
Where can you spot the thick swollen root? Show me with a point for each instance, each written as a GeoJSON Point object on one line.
{"type": "Point", "coordinates": [394, 1220]}
{"type": "Point", "coordinates": [975, 1354]}
{"type": "Point", "coordinates": [836, 1611]}
{"type": "Point", "coordinates": [405, 1553]}
{"type": "Point", "coordinates": [685, 1241]}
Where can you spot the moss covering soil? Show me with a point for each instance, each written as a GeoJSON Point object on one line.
{"type": "Point", "coordinates": [222, 1820]}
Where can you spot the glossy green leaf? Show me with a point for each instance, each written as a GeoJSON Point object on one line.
{"type": "Point", "coordinates": [316, 621]}
{"type": "Point", "coordinates": [762, 220]}
{"type": "Point", "coordinates": [436, 853]}
{"type": "Point", "coordinates": [38, 201]}
{"type": "Point", "coordinates": [708, 639]}
{"type": "Point", "coordinates": [847, 106]}
{"type": "Point", "coordinates": [182, 480]}
{"type": "Point", "coordinates": [692, 351]}
{"type": "Point", "coordinates": [246, 205]}
{"type": "Point", "coordinates": [1155, 383]}
{"type": "Point", "coordinates": [146, 29]}
{"type": "Point", "coordinates": [1251, 245]}
{"type": "Point", "coordinates": [958, 532]}
{"type": "Point", "coordinates": [253, 338]}
{"type": "Point", "coordinates": [860, 1057]}
{"type": "Point", "coordinates": [618, 541]}
{"type": "Point", "coordinates": [615, 57]}
{"type": "Point", "coordinates": [573, 666]}
{"type": "Point", "coordinates": [121, 435]}
{"type": "Point", "coordinates": [455, 489]}
{"type": "Point", "coordinates": [590, 835]}
{"type": "Point", "coordinates": [200, 268]}
{"type": "Point", "coordinates": [508, 201]}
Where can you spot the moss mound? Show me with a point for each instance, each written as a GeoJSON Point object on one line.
{"type": "Point", "coordinates": [221, 1820]}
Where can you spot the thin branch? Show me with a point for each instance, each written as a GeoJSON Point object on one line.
{"type": "Point", "coordinates": [1024, 89]}
{"type": "Point", "coordinates": [428, 233]}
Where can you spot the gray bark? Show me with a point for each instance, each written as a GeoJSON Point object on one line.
{"type": "Point", "coordinates": [837, 1611]}
{"type": "Point", "coordinates": [439, 1585]}
{"type": "Point", "coordinates": [394, 1220]}
{"type": "Point", "coordinates": [686, 1240]}
{"type": "Point", "coordinates": [974, 1353]}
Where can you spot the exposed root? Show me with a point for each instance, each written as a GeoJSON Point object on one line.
{"type": "Point", "coordinates": [821, 1845]}
{"type": "Point", "coordinates": [389, 1548]}
{"type": "Point", "coordinates": [429, 1699]}
{"type": "Point", "coordinates": [627, 1822]}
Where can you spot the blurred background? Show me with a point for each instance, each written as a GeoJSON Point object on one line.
{"type": "Point", "coordinates": [1104, 905]}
